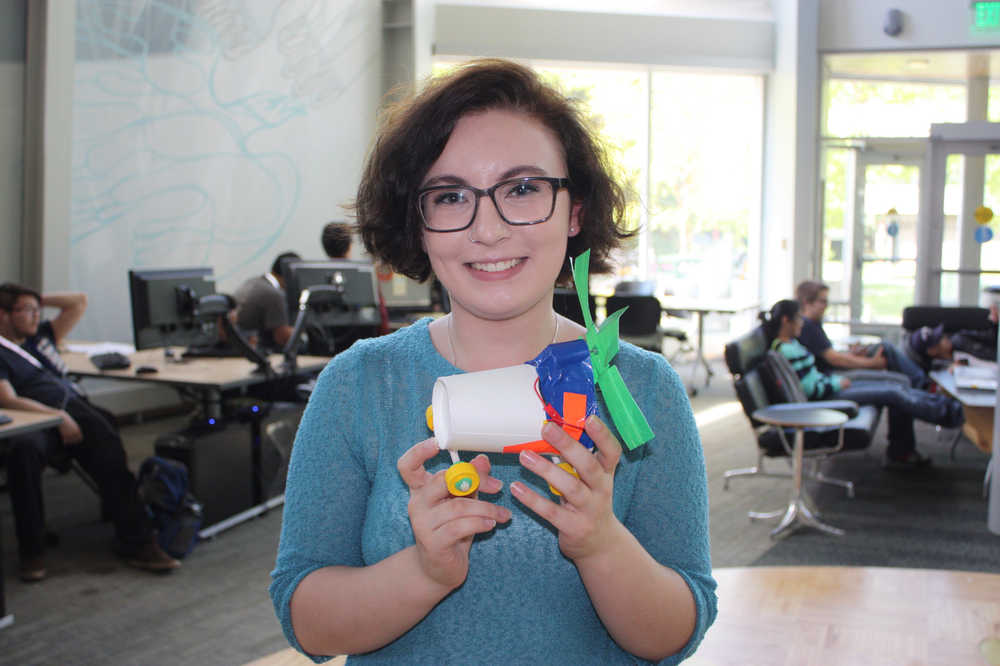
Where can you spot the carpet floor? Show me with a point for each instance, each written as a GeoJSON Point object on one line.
{"type": "Point", "coordinates": [215, 610]}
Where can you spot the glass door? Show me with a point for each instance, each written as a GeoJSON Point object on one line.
{"type": "Point", "coordinates": [869, 262]}
{"type": "Point", "coordinates": [959, 252]}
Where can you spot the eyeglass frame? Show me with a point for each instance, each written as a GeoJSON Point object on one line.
{"type": "Point", "coordinates": [556, 184]}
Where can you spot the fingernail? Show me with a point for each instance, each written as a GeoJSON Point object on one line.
{"type": "Point", "coordinates": [504, 515]}
{"type": "Point", "coordinates": [594, 423]}
{"type": "Point", "coordinates": [517, 489]}
{"type": "Point", "coordinates": [490, 524]}
{"type": "Point", "coordinates": [529, 457]}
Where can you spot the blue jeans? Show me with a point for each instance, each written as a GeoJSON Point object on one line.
{"type": "Point", "coordinates": [898, 361]}
{"type": "Point", "coordinates": [905, 404]}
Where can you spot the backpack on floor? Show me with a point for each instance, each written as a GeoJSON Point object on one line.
{"type": "Point", "coordinates": [177, 515]}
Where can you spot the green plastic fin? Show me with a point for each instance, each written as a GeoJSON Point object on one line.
{"type": "Point", "coordinates": [581, 280]}
{"type": "Point", "coordinates": [627, 417]}
{"type": "Point", "coordinates": [603, 344]}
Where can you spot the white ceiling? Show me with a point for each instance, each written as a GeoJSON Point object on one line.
{"type": "Point", "coordinates": [928, 66]}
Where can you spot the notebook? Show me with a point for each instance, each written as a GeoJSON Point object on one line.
{"type": "Point", "coordinates": [976, 377]}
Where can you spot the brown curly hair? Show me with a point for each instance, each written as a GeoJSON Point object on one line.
{"type": "Point", "coordinates": [413, 134]}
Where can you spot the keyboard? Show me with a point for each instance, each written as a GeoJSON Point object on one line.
{"type": "Point", "coordinates": [212, 351]}
{"type": "Point", "coordinates": [110, 361]}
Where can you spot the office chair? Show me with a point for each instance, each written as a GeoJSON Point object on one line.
{"type": "Point", "coordinates": [640, 324]}
{"type": "Point", "coordinates": [762, 378]}
{"type": "Point", "coordinates": [567, 303]}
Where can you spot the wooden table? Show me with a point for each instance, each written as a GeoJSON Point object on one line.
{"type": "Point", "coordinates": [978, 407]}
{"type": "Point", "coordinates": [828, 616]}
{"type": "Point", "coordinates": [800, 417]}
{"type": "Point", "coordinates": [21, 423]}
{"type": "Point", "coordinates": [836, 616]}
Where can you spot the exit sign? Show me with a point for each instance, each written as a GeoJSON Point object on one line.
{"type": "Point", "coordinates": [986, 15]}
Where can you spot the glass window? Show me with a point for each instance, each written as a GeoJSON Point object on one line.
{"type": "Point", "coordinates": [689, 149]}
{"type": "Point", "coordinates": [857, 108]}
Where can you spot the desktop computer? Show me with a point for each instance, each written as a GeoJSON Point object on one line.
{"type": "Point", "coordinates": [220, 455]}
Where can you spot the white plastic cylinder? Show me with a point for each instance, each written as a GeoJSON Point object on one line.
{"type": "Point", "coordinates": [487, 411]}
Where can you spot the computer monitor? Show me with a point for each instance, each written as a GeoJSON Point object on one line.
{"type": "Point", "coordinates": [165, 307]}
{"type": "Point", "coordinates": [354, 280]}
{"type": "Point", "coordinates": [404, 295]}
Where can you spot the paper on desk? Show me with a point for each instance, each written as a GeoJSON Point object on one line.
{"type": "Point", "coordinates": [977, 374]}
{"type": "Point", "coordinates": [91, 348]}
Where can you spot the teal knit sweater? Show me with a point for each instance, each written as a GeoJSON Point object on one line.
{"type": "Point", "coordinates": [522, 602]}
{"type": "Point", "coordinates": [815, 384]}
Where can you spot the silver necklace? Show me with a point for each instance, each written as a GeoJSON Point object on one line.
{"type": "Point", "coordinates": [451, 338]}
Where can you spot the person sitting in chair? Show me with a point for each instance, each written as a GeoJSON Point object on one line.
{"type": "Point", "coordinates": [85, 434]}
{"type": "Point", "coordinates": [783, 325]}
{"type": "Point", "coordinates": [813, 299]}
{"type": "Point", "coordinates": [261, 306]}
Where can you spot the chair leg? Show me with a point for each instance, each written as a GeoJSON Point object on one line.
{"type": "Point", "coordinates": [843, 483]}
{"type": "Point", "coordinates": [756, 470]}
{"type": "Point", "coordinates": [954, 443]}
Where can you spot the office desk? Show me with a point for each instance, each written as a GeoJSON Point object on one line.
{"type": "Point", "coordinates": [701, 310]}
{"type": "Point", "coordinates": [209, 378]}
{"type": "Point", "coordinates": [21, 423]}
{"type": "Point", "coordinates": [978, 407]}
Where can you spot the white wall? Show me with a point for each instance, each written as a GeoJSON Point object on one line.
{"type": "Point", "coordinates": [222, 142]}
{"type": "Point", "coordinates": [856, 25]}
{"type": "Point", "coordinates": [12, 45]}
{"type": "Point", "coordinates": [790, 149]}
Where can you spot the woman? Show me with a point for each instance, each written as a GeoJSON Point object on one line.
{"type": "Point", "coordinates": [784, 324]}
{"type": "Point", "coordinates": [376, 559]}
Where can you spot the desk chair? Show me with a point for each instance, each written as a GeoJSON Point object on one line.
{"type": "Point", "coordinates": [762, 378]}
{"type": "Point", "coordinates": [567, 303]}
{"type": "Point", "coordinates": [640, 324]}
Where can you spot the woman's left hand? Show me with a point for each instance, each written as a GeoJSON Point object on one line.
{"type": "Point", "coordinates": [584, 518]}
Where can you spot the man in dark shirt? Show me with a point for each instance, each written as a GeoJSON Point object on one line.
{"type": "Point", "coordinates": [813, 298]}
{"type": "Point", "coordinates": [84, 434]}
{"type": "Point", "coordinates": [261, 307]}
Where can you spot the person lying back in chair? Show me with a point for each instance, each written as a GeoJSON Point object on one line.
{"type": "Point", "coordinates": [783, 324]}
{"type": "Point", "coordinates": [85, 434]}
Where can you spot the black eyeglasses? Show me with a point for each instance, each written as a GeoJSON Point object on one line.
{"type": "Point", "coordinates": [520, 201]}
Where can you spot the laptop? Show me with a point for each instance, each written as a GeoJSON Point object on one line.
{"type": "Point", "coordinates": [976, 377]}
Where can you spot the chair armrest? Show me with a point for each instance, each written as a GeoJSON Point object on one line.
{"type": "Point", "coordinates": [848, 407]}
{"type": "Point", "coordinates": [877, 375]}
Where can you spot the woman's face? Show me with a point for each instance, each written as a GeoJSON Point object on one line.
{"type": "Point", "coordinates": [792, 326]}
{"type": "Point", "coordinates": [494, 270]}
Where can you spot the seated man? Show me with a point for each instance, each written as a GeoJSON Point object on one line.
{"type": "Point", "coordinates": [261, 307]}
{"type": "Point", "coordinates": [336, 240]}
{"type": "Point", "coordinates": [813, 298]}
{"type": "Point", "coordinates": [85, 434]}
{"type": "Point", "coordinates": [784, 324]}
{"type": "Point", "coordinates": [934, 343]}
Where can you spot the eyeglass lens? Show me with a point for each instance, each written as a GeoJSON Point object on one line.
{"type": "Point", "coordinates": [521, 201]}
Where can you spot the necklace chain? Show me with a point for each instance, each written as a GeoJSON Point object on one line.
{"type": "Point", "coordinates": [454, 352]}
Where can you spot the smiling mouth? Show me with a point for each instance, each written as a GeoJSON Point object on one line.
{"type": "Point", "coordinates": [497, 266]}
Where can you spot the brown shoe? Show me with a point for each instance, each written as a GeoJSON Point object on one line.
{"type": "Point", "coordinates": [150, 557]}
{"type": "Point", "coordinates": [33, 569]}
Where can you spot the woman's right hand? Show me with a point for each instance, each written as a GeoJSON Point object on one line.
{"type": "Point", "coordinates": [69, 429]}
{"type": "Point", "coordinates": [443, 525]}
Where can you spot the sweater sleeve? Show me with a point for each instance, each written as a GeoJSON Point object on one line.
{"type": "Point", "coordinates": [668, 512]}
{"type": "Point", "coordinates": [815, 384]}
{"type": "Point", "coordinates": [323, 471]}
